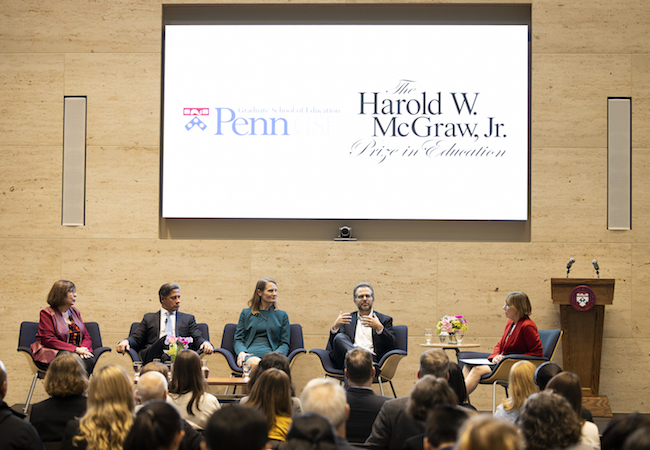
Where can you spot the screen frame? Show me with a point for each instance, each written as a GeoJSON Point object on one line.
{"type": "Point", "coordinates": [326, 229]}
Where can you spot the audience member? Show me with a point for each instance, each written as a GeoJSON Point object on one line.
{"type": "Point", "coordinates": [520, 385]}
{"type": "Point", "coordinates": [61, 328]}
{"type": "Point", "coordinates": [364, 403]}
{"type": "Point", "coordinates": [275, 360]}
{"type": "Point", "coordinates": [375, 333]}
{"type": "Point", "coordinates": [188, 390]}
{"type": "Point", "coordinates": [548, 422]}
{"type": "Point", "coordinates": [15, 433]}
{"type": "Point", "coordinates": [66, 382]}
{"type": "Point", "coordinates": [545, 372]}
{"type": "Point", "coordinates": [109, 416]}
{"type": "Point", "coordinates": [234, 427]}
{"type": "Point", "coordinates": [327, 398]}
{"type": "Point", "coordinates": [393, 426]}
{"type": "Point", "coordinates": [620, 428]}
{"type": "Point", "coordinates": [457, 384]}
{"type": "Point", "coordinates": [443, 426]}
{"type": "Point", "coordinates": [152, 385]}
{"type": "Point", "coordinates": [543, 375]}
{"type": "Point", "coordinates": [262, 327]}
{"type": "Point", "coordinates": [155, 366]}
{"type": "Point", "coordinates": [567, 384]}
{"type": "Point", "coordinates": [157, 426]}
{"type": "Point", "coordinates": [311, 432]}
{"type": "Point", "coordinates": [148, 339]}
{"type": "Point", "coordinates": [487, 433]}
{"type": "Point", "coordinates": [272, 395]}
{"type": "Point", "coordinates": [639, 440]}
{"type": "Point", "coordinates": [428, 392]}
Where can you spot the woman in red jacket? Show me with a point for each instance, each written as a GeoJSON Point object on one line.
{"type": "Point", "coordinates": [519, 337]}
{"type": "Point", "coordinates": [61, 328]}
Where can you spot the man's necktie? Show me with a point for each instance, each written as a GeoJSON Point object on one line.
{"type": "Point", "coordinates": [168, 325]}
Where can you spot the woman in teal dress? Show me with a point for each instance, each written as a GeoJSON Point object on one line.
{"type": "Point", "coordinates": [262, 328]}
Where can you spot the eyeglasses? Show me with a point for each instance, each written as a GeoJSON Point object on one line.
{"type": "Point", "coordinates": [362, 296]}
{"type": "Point", "coordinates": [506, 305]}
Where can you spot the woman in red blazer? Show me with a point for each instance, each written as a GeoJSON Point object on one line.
{"type": "Point", "coordinates": [519, 337]}
{"type": "Point", "coordinates": [61, 328]}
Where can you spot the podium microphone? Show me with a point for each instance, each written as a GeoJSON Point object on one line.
{"type": "Point", "coordinates": [595, 263]}
{"type": "Point", "coordinates": [568, 266]}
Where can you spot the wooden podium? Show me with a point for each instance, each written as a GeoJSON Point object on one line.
{"type": "Point", "coordinates": [582, 341]}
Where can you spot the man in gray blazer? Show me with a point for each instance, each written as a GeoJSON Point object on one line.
{"type": "Point", "coordinates": [393, 425]}
{"type": "Point", "coordinates": [148, 339]}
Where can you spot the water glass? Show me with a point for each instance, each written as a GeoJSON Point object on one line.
{"type": "Point", "coordinates": [137, 367]}
{"type": "Point", "coordinates": [247, 370]}
{"type": "Point", "coordinates": [428, 334]}
{"type": "Point", "coordinates": [205, 369]}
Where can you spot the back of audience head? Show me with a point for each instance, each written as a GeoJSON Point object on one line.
{"type": "Point", "coordinates": [434, 362]}
{"type": "Point", "coordinates": [188, 377]}
{"type": "Point", "coordinates": [358, 366]}
{"type": "Point", "coordinates": [311, 432]}
{"type": "Point", "coordinates": [152, 385]}
{"type": "Point", "coordinates": [157, 426]}
{"type": "Point", "coordinates": [487, 433]}
{"type": "Point", "coordinates": [520, 384]}
{"type": "Point", "coordinates": [66, 376]}
{"type": "Point", "coordinates": [443, 425]}
{"type": "Point", "coordinates": [275, 360]}
{"type": "Point", "coordinates": [272, 395]}
{"type": "Point", "coordinates": [457, 382]}
{"type": "Point", "coordinates": [327, 398]}
{"type": "Point", "coordinates": [3, 381]}
{"type": "Point", "coordinates": [428, 392]}
{"type": "Point", "coordinates": [548, 421]}
{"type": "Point", "coordinates": [235, 427]}
{"type": "Point", "coordinates": [109, 415]}
{"type": "Point", "coordinates": [545, 372]}
{"type": "Point", "coordinates": [620, 428]}
{"type": "Point", "coordinates": [639, 440]}
{"type": "Point", "coordinates": [567, 384]}
{"type": "Point", "coordinates": [157, 367]}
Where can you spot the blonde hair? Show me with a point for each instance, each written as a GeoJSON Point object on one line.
{"type": "Point", "coordinates": [521, 384]}
{"type": "Point", "coordinates": [109, 416]}
{"type": "Point", "coordinates": [484, 432]}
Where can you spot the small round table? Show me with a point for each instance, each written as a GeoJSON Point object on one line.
{"type": "Point", "coordinates": [447, 346]}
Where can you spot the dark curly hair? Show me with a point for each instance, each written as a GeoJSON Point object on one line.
{"type": "Point", "coordinates": [548, 421]}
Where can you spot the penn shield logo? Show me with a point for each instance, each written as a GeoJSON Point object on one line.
{"type": "Point", "coordinates": [196, 122]}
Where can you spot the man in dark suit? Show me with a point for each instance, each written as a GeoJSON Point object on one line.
{"type": "Point", "coordinates": [374, 333]}
{"type": "Point", "coordinates": [15, 433]}
{"type": "Point", "coordinates": [148, 339]}
{"type": "Point", "coordinates": [393, 425]}
{"type": "Point", "coordinates": [364, 403]}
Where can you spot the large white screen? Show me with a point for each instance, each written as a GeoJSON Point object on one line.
{"type": "Point", "coordinates": [346, 122]}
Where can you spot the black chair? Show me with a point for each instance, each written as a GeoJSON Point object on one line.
{"type": "Point", "coordinates": [387, 364]}
{"type": "Point", "coordinates": [227, 349]}
{"type": "Point", "coordinates": [27, 336]}
{"type": "Point", "coordinates": [135, 357]}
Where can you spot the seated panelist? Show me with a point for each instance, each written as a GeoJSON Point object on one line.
{"type": "Point", "coordinates": [148, 339]}
{"type": "Point", "coordinates": [61, 328]}
{"type": "Point", "coordinates": [262, 328]}
{"type": "Point", "coordinates": [519, 337]}
{"type": "Point", "coordinates": [365, 328]}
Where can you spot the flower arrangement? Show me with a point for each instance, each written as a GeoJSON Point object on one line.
{"type": "Point", "coordinates": [451, 325]}
{"type": "Point", "coordinates": [177, 345]}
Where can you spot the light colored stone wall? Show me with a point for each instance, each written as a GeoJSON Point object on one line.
{"type": "Point", "coordinates": [110, 51]}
